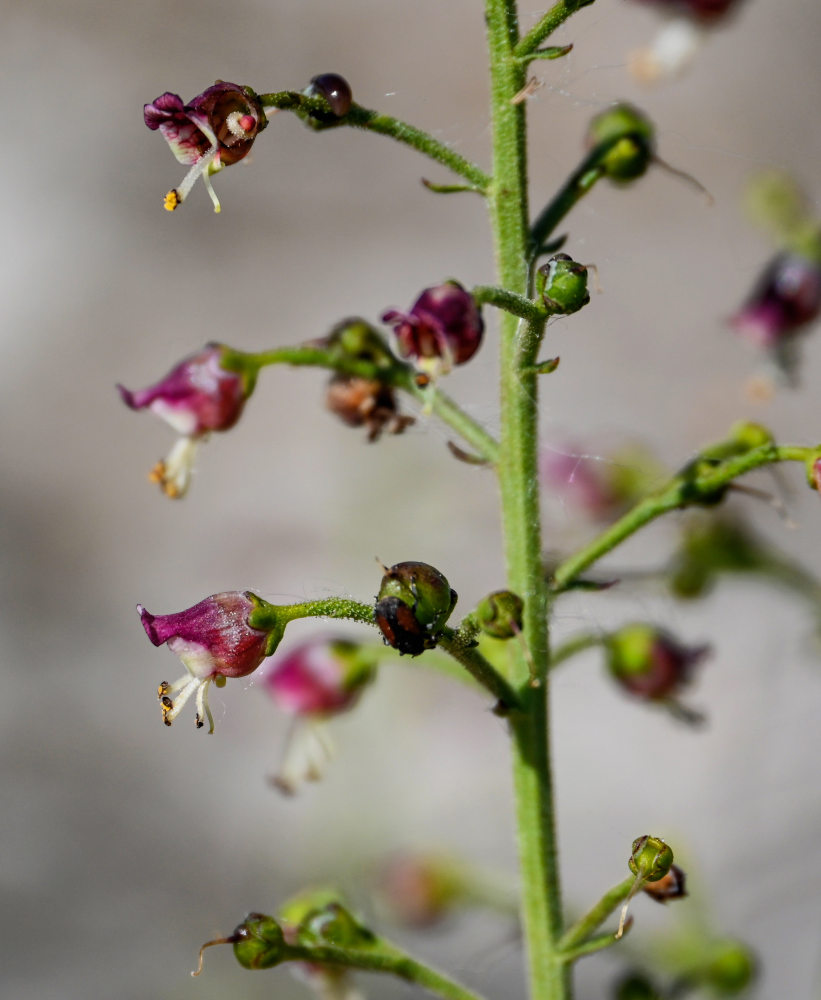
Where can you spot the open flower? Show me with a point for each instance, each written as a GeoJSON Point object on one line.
{"type": "Point", "coordinates": [217, 128]}
{"type": "Point", "coordinates": [196, 397]}
{"type": "Point", "coordinates": [314, 681]}
{"type": "Point", "coordinates": [214, 641]}
{"type": "Point", "coordinates": [786, 298]}
{"type": "Point", "coordinates": [443, 327]}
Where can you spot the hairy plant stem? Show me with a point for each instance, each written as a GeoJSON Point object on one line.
{"type": "Point", "coordinates": [521, 524]}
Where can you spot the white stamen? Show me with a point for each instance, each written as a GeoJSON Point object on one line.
{"type": "Point", "coordinates": [308, 750]}
{"type": "Point", "coordinates": [178, 467]}
{"type": "Point", "coordinates": [200, 169]}
{"type": "Point", "coordinates": [179, 702]}
{"type": "Point", "coordinates": [670, 53]}
{"type": "Point", "coordinates": [203, 711]}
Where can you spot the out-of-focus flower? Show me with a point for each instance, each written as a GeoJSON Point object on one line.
{"type": "Point", "coordinates": [785, 299]}
{"type": "Point", "coordinates": [676, 45]}
{"type": "Point", "coordinates": [650, 663]}
{"type": "Point", "coordinates": [443, 328]}
{"type": "Point", "coordinates": [214, 641]}
{"type": "Point", "coordinates": [196, 397]}
{"type": "Point", "coordinates": [214, 130]}
{"type": "Point", "coordinates": [314, 681]}
{"type": "Point", "coordinates": [598, 487]}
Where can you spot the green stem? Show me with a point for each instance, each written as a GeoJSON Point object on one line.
{"type": "Point", "coordinates": [501, 298]}
{"type": "Point", "coordinates": [314, 111]}
{"type": "Point", "coordinates": [577, 185]}
{"type": "Point", "coordinates": [682, 491]}
{"type": "Point", "coordinates": [482, 671]}
{"type": "Point", "coordinates": [545, 27]}
{"type": "Point", "coordinates": [384, 958]}
{"type": "Point", "coordinates": [521, 521]}
{"type": "Point", "coordinates": [398, 374]}
{"type": "Point", "coordinates": [578, 644]}
{"type": "Point", "coordinates": [596, 916]}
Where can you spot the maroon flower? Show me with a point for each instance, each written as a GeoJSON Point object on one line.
{"type": "Point", "coordinates": [786, 297]}
{"type": "Point", "coordinates": [217, 128]}
{"type": "Point", "coordinates": [701, 10]}
{"type": "Point", "coordinates": [214, 641]}
{"type": "Point", "coordinates": [313, 681]}
{"type": "Point", "coordinates": [650, 663]}
{"type": "Point", "coordinates": [196, 397]}
{"type": "Point", "coordinates": [320, 677]}
{"type": "Point", "coordinates": [443, 328]}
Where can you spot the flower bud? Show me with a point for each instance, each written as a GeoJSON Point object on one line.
{"type": "Point", "coordinates": [730, 969]}
{"type": "Point", "coordinates": [355, 338]}
{"type": "Point", "coordinates": [814, 472]}
{"type": "Point", "coordinates": [412, 607]}
{"type": "Point", "coordinates": [418, 889]}
{"type": "Point", "coordinates": [669, 886]}
{"type": "Point", "coordinates": [562, 283]}
{"type": "Point", "coordinates": [443, 328]}
{"type": "Point", "coordinates": [633, 137]}
{"type": "Point", "coordinates": [335, 89]}
{"type": "Point", "coordinates": [366, 402]}
{"type": "Point", "coordinates": [214, 130]}
{"type": "Point", "coordinates": [649, 662]}
{"type": "Point", "coordinates": [500, 614]}
{"type": "Point", "coordinates": [651, 858]}
{"type": "Point", "coordinates": [635, 986]}
{"type": "Point", "coordinates": [785, 298]}
{"type": "Point", "coordinates": [320, 677]}
{"type": "Point", "coordinates": [258, 942]}
{"type": "Point", "coordinates": [196, 397]}
{"type": "Point", "coordinates": [214, 641]}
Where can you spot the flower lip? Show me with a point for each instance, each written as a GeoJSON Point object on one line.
{"type": "Point", "coordinates": [443, 324]}
{"type": "Point", "coordinates": [786, 297]}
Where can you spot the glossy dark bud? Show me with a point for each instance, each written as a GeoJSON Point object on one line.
{"type": "Point", "coordinates": [651, 858]}
{"type": "Point", "coordinates": [633, 140]}
{"type": "Point", "coordinates": [335, 89]}
{"type": "Point", "coordinates": [258, 942]}
{"type": "Point", "coordinates": [670, 886]}
{"type": "Point", "coordinates": [562, 283]}
{"type": "Point", "coordinates": [500, 614]}
{"type": "Point", "coordinates": [412, 607]}
{"type": "Point", "coordinates": [365, 402]}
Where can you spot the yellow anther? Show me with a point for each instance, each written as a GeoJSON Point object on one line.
{"type": "Point", "coordinates": [172, 200]}
{"type": "Point", "coordinates": [157, 474]}
{"type": "Point", "coordinates": [163, 689]}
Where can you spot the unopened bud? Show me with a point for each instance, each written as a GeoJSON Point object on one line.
{"type": "Point", "coordinates": [562, 283]}
{"type": "Point", "coordinates": [651, 858]}
{"type": "Point", "coordinates": [731, 968]}
{"type": "Point", "coordinates": [633, 137]}
{"type": "Point", "coordinates": [412, 607]}
{"type": "Point", "coordinates": [335, 89]}
{"type": "Point", "coordinates": [650, 663]}
{"type": "Point", "coordinates": [500, 614]}
{"type": "Point", "coordinates": [258, 942]}
{"type": "Point", "coordinates": [635, 986]}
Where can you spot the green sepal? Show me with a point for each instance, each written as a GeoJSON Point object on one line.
{"type": "Point", "coordinates": [266, 618]}
{"type": "Point", "coordinates": [545, 367]}
{"type": "Point", "coordinates": [549, 52]}
{"type": "Point", "coordinates": [450, 188]}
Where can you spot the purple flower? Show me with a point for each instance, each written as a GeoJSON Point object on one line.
{"type": "Point", "coordinates": [786, 297]}
{"type": "Point", "coordinates": [443, 328]}
{"type": "Point", "coordinates": [217, 128]}
{"type": "Point", "coordinates": [196, 397]}
{"type": "Point", "coordinates": [701, 10]}
{"type": "Point", "coordinates": [214, 641]}
{"type": "Point", "coordinates": [320, 677]}
{"type": "Point", "coordinates": [313, 681]}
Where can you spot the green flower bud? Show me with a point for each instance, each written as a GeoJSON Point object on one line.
{"type": "Point", "coordinates": [334, 925]}
{"type": "Point", "coordinates": [258, 942]}
{"type": "Point", "coordinates": [633, 136]}
{"type": "Point", "coordinates": [355, 338]}
{"type": "Point", "coordinates": [731, 968]}
{"type": "Point", "coordinates": [562, 283]}
{"type": "Point", "coordinates": [500, 614]}
{"type": "Point", "coordinates": [635, 986]}
{"type": "Point", "coordinates": [651, 858]}
{"type": "Point", "coordinates": [413, 605]}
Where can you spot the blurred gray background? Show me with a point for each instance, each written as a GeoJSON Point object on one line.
{"type": "Point", "coordinates": [125, 845]}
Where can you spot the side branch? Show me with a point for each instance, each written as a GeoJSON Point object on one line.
{"type": "Point", "coordinates": [545, 27]}
{"type": "Point", "coordinates": [314, 112]}
{"type": "Point", "coordinates": [699, 484]}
